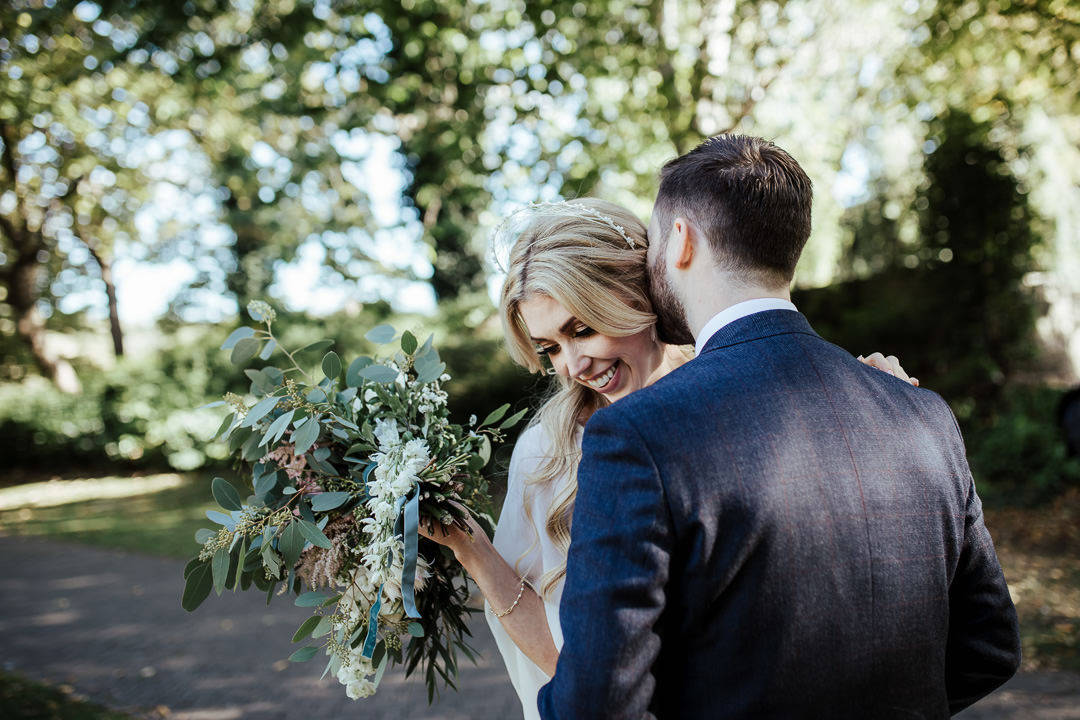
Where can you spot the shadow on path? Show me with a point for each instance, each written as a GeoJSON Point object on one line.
{"type": "Point", "coordinates": [110, 625]}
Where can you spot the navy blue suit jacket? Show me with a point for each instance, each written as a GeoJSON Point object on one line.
{"type": "Point", "coordinates": [776, 530]}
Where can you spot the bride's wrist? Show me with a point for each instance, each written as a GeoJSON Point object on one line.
{"type": "Point", "coordinates": [472, 552]}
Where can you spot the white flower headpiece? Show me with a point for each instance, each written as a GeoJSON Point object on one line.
{"type": "Point", "coordinates": [506, 233]}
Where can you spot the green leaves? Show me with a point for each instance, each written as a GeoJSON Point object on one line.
{"type": "Point", "coordinates": [428, 366]}
{"type": "Point", "coordinates": [513, 419]}
{"type": "Point", "coordinates": [304, 654]}
{"type": "Point", "coordinates": [197, 586]}
{"type": "Point", "coordinates": [379, 374]}
{"type": "Point", "coordinates": [416, 629]}
{"type": "Point", "coordinates": [495, 415]}
{"type": "Point", "coordinates": [236, 336]}
{"type": "Point", "coordinates": [291, 543]}
{"type": "Point", "coordinates": [313, 534]}
{"type": "Point", "coordinates": [408, 343]}
{"type": "Point", "coordinates": [306, 435]}
{"type": "Point", "coordinates": [225, 494]}
{"type": "Point", "coordinates": [352, 375]}
{"type": "Point", "coordinates": [314, 598]}
{"type": "Point", "coordinates": [220, 569]}
{"type": "Point", "coordinates": [244, 350]}
{"type": "Point", "coordinates": [328, 500]}
{"type": "Point", "coordinates": [259, 410]}
{"type": "Point", "coordinates": [304, 631]}
{"type": "Point", "coordinates": [381, 334]}
{"type": "Point", "coordinates": [331, 365]}
{"type": "Point", "coordinates": [277, 428]}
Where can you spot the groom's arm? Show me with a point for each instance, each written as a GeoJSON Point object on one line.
{"type": "Point", "coordinates": [983, 649]}
{"type": "Point", "coordinates": [615, 576]}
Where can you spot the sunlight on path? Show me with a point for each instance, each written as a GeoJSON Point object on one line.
{"type": "Point", "coordinates": [62, 492]}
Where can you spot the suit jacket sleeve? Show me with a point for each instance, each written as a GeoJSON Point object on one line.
{"type": "Point", "coordinates": [983, 648]}
{"type": "Point", "coordinates": [615, 580]}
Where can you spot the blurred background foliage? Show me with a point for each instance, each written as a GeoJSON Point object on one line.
{"type": "Point", "coordinates": [359, 153]}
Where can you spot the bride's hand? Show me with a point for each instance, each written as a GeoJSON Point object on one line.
{"type": "Point", "coordinates": [459, 539]}
{"type": "Point", "coordinates": [890, 365]}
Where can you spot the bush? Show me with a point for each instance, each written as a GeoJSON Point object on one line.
{"type": "Point", "coordinates": [145, 412]}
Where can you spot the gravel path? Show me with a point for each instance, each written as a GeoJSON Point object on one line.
{"type": "Point", "coordinates": [110, 625]}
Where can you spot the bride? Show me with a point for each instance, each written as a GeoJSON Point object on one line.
{"type": "Point", "coordinates": [575, 305]}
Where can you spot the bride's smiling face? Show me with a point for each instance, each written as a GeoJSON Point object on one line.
{"type": "Point", "coordinates": [612, 366]}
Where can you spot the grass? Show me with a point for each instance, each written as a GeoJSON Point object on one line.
{"type": "Point", "coordinates": [155, 513]}
{"type": "Point", "coordinates": [159, 514]}
{"type": "Point", "coordinates": [21, 699]}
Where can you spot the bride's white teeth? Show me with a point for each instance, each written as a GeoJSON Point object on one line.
{"type": "Point", "coordinates": [597, 383]}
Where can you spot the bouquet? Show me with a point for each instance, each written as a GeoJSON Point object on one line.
{"type": "Point", "coordinates": [344, 465]}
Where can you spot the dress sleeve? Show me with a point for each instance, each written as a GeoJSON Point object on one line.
{"type": "Point", "coordinates": [517, 540]}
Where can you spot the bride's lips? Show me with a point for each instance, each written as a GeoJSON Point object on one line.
{"type": "Point", "coordinates": [613, 382]}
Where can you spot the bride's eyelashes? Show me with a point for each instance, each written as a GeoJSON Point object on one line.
{"type": "Point", "coordinates": [549, 350]}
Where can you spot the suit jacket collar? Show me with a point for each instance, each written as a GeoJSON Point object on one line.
{"type": "Point", "coordinates": [757, 326]}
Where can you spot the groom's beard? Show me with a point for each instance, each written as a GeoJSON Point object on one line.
{"type": "Point", "coordinates": [671, 325]}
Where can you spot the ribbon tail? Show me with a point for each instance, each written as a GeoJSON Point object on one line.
{"type": "Point", "coordinates": [412, 542]}
{"type": "Point", "coordinates": [373, 626]}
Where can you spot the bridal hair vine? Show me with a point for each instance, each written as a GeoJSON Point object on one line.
{"type": "Point", "coordinates": [569, 209]}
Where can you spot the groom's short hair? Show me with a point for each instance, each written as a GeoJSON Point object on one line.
{"type": "Point", "coordinates": [750, 200]}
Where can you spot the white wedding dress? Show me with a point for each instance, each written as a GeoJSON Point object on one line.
{"type": "Point", "coordinates": [526, 546]}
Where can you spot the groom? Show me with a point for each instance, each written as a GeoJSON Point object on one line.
{"type": "Point", "coordinates": [774, 530]}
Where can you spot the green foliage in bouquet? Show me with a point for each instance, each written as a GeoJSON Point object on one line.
{"type": "Point", "coordinates": [345, 462]}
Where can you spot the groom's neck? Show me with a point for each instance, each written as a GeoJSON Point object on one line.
{"type": "Point", "coordinates": [720, 292]}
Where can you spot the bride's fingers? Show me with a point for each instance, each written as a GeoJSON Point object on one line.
{"type": "Point", "coordinates": [898, 370]}
{"type": "Point", "coordinates": [877, 360]}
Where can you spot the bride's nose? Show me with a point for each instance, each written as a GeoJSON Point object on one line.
{"type": "Point", "coordinates": [576, 361]}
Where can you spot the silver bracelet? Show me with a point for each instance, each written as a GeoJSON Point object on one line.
{"type": "Point", "coordinates": [507, 611]}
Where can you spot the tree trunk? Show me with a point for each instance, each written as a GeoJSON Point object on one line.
{"type": "Point", "coordinates": [22, 296]}
{"type": "Point", "coordinates": [105, 266]}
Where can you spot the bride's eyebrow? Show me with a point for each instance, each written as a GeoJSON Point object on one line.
{"type": "Point", "coordinates": [565, 329]}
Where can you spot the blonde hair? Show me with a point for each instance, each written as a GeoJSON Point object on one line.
{"type": "Point", "coordinates": [590, 268]}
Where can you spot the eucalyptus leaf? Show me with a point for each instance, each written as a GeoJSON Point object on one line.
{"type": "Point", "coordinates": [313, 598]}
{"type": "Point", "coordinates": [291, 543]}
{"type": "Point", "coordinates": [259, 410]}
{"type": "Point", "coordinates": [408, 343]}
{"type": "Point", "coordinates": [513, 419]}
{"type": "Point", "coordinates": [331, 365]}
{"type": "Point", "coordinates": [204, 534]}
{"type": "Point", "coordinates": [381, 334]}
{"type": "Point", "coordinates": [485, 449]}
{"type": "Point", "coordinates": [379, 374]}
{"type": "Point", "coordinates": [220, 566]}
{"type": "Point", "coordinates": [221, 519]}
{"type": "Point", "coordinates": [326, 624]}
{"type": "Point", "coordinates": [268, 349]}
{"type": "Point", "coordinates": [314, 535]}
{"type": "Point", "coordinates": [244, 350]}
{"type": "Point", "coordinates": [328, 501]}
{"type": "Point", "coordinates": [277, 428]}
{"type": "Point", "coordinates": [226, 494]}
{"type": "Point", "coordinates": [495, 415]}
{"type": "Point", "coordinates": [304, 631]}
{"type": "Point", "coordinates": [274, 375]}
{"type": "Point", "coordinates": [306, 436]}
{"type": "Point", "coordinates": [224, 427]}
{"type": "Point", "coordinates": [236, 336]}
{"type": "Point", "coordinates": [197, 587]}
{"type": "Point", "coordinates": [216, 403]}
{"type": "Point", "coordinates": [416, 629]}
{"type": "Point", "coordinates": [250, 450]}
{"type": "Point", "coordinates": [304, 654]}
{"type": "Point", "coordinates": [352, 375]}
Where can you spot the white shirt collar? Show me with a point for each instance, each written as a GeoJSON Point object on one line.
{"type": "Point", "coordinates": [736, 311]}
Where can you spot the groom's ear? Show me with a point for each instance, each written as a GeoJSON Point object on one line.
{"type": "Point", "coordinates": [682, 241]}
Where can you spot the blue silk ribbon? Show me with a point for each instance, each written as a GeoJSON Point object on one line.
{"type": "Point", "coordinates": [373, 626]}
{"type": "Point", "coordinates": [408, 525]}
